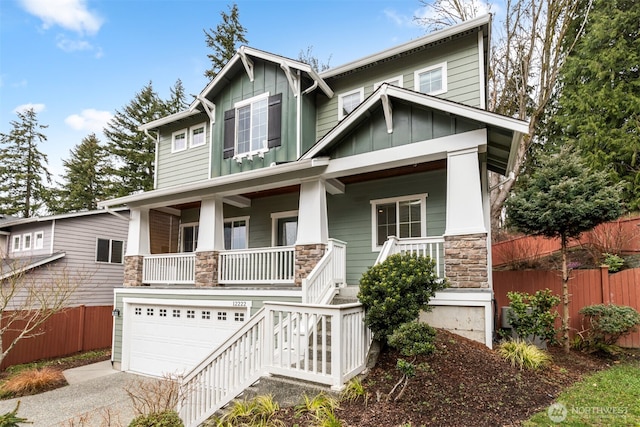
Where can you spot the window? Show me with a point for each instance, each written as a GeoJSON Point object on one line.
{"type": "Point", "coordinates": [402, 217]}
{"type": "Point", "coordinates": [38, 240]}
{"type": "Point", "coordinates": [198, 135]}
{"type": "Point", "coordinates": [206, 315]}
{"type": "Point", "coordinates": [191, 314]}
{"type": "Point", "coordinates": [253, 126]}
{"type": "Point", "coordinates": [284, 226]}
{"type": "Point", "coordinates": [109, 250]}
{"type": "Point", "coordinates": [236, 233]}
{"type": "Point", "coordinates": [149, 311]}
{"type": "Point", "coordinates": [347, 102]}
{"type": "Point", "coordinates": [175, 313]}
{"type": "Point", "coordinates": [432, 80]}
{"type": "Point", "coordinates": [26, 241]}
{"type": "Point", "coordinates": [15, 246]}
{"type": "Point", "coordinates": [189, 233]}
{"type": "Point", "coordinates": [179, 141]}
{"type": "Point", "coordinates": [162, 312]}
{"type": "Point", "coordinates": [222, 315]}
{"type": "Point", "coordinates": [238, 317]}
{"type": "Point", "coordinates": [138, 311]}
{"type": "Point", "coordinates": [396, 81]}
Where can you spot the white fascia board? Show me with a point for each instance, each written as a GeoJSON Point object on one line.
{"type": "Point", "coordinates": [169, 119]}
{"type": "Point", "coordinates": [418, 152]}
{"type": "Point", "coordinates": [515, 141]}
{"type": "Point", "coordinates": [428, 39]}
{"type": "Point", "coordinates": [436, 103]}
{"type": "Point", "coordinates": [218, 181]}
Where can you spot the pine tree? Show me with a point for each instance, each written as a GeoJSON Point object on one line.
{"type": "Point", "coordinates": [599, 107]}
{"type": "Point", "coordinates": [23, 167]}
{"type": "Point", "coordinates": [86, 178]}
{"type": "Point", "coordinates": [224, 40]}
{"type": "Point", "coordinates": [178, 99]}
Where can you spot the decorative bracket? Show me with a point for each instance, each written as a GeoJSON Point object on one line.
{"type": "Point", "coordinates": [247, 62]}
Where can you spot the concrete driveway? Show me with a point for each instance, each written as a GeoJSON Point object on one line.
{"type": "Point", "coordinates": [95, 397]}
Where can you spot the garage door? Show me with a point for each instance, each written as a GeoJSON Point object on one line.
{"type": "Point", "coordinates": [167, 339]}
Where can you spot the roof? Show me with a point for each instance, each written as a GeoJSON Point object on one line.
{"type": "Point", "coordinates": [34, 219]}
{"type": "Point", "coordinates": [503, 131]}
{"type": "Point", "coordinates": [12, 266]}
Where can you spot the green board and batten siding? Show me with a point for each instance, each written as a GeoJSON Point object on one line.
{"type": "Point", "coordinates": [256, 303]}
{"type": "Point", "coordinates": [463, 78]}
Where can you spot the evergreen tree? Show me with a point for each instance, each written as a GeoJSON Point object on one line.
{"type": "Point", "coordinates": [133, 152]}
{"type": "Point", "coordinates": [562, 198]}
{"type": "Point", "coordinates": [599, 107]}
{"type": "Point", "coordinates": [23, 167]}
{"type": "Point", "coordinates": [225, 40]}
{"type": "Point", "coordinates": [178, 99]}
{"type": "Point", "coordinates": [86, 178]}
{"type": "Point", "coordinates": [309, 58]}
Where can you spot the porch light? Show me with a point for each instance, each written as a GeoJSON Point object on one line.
{"type": "Point", "coordinates": [115, 312]}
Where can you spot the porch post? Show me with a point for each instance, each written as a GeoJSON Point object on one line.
{"type": "Point", "coordinates": [137, 246]}
{"type": "Point", "coordinates": [210, 241]}
{"type": "Point", "coordinates": [313, 228]}
{"type": "Point", "coordinates": [465, 247]}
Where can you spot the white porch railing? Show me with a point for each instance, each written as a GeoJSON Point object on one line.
{"type": "Point", "coordinates": [257, 266]}
{"type": "Point", "coordinates": [322, 343]}
{"type": "Point", "coordinates": [432, 247]}
{"type": "Point", "coordinates": [319, 287]}
{"type": "Point", "coordinates": [176, 269]}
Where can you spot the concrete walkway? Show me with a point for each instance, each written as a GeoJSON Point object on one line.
{"type": "Point", "coordinates": [95, 397]}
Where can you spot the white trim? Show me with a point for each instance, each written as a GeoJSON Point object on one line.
{"type": "Point", "coordinates": [481, 76]}
{"type": "Point", "coordinates": [341, 113]}
{"type": "Point", "coordinates": [53, 235]}
{"type": "Point", "coordinates": [275, 216]}
{"type": "Point", "coordinates": [173, 140]}
{"type": "Point", "coordinates": [25, 237]}
{"type": "Point", "coordinates": [16, 247]}
{"type": "Point", "coordinates": [211, 292]}
{"type": "Point", "coordinates": [35, 239]}
{"type": "Point", "coordinates": [249, 102]}
{"type": "Point", "coordinates": [202, 125]}
{"type": "Point", "coordinates": [246, 231]}
{"type": "Point", "coordinates": [443, 71]}
{"type": "Point", "coordinates": [389, 81]}
{"type": "Point", "coordinates": [374, 221]}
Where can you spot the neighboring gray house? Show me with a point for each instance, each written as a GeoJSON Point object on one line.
{"type": "Point", "coordinates": [84, 246]}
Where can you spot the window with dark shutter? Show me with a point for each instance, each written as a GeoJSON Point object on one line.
{"type": "Point", "coordinates": [229, 133]}
{"type": "Point", "coordinates": [275, 121]}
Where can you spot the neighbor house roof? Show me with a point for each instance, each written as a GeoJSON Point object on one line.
{"type": "Point", "coordinates": [12, 266]}
{"type": "Point", "coordinates": [34, 219]}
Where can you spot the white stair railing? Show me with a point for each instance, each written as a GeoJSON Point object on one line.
{"type": "Point", "coordinates": [319, 287]}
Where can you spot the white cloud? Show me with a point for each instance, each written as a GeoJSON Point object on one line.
{"type": "Point", "coordinates": [37, 108]}
{"type": "Point", "coordinates": [69, 45]}
{"type": "Point", "coordinates": [72, 15]}
{"type": "Point", "coordinates": [89, 120]}
{"type": "Point", "coordinates": [399, 19]}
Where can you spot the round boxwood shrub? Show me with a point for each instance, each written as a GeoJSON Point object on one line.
{"type": "Point", "coordinates": [158, 419]}
{"type": "Point", "coordinates": [396, 290]}
{"type": "Point", "coordinates": [413, 338]}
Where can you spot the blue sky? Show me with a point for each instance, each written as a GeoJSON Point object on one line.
{"type": "Point", "coordinates": [77, 61]}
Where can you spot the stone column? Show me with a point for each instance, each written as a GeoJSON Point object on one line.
{"type": "Point", "coordinates": [466, 260]}
{"type": "Point", "coordinates": [307, 256]}
{"type": "Point", "coordinates": [206, 269]}
{"type": "Point", "coordinates": [133, 270]}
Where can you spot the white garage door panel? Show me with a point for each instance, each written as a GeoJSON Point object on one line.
{"type": "Point", "coordinates": [172, 339]}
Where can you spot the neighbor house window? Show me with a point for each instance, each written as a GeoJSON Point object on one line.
{"type": "Point", "coordinates": [179, 141]}
{"type": "Point", "coordinates": [253, 126]}
{"type": "Point", "coordinates": [432, 80]}
{"type": "Point", "coordinates": [38, 242]}
{"type": "Point", "coordinates": [236, 233]}
{"type": "Point", "coordinates": [189, 237]}
{"type": "Point", "coordinates": [396, 81]}
{"type": "Point", "coordinates": [26, 241]}
{"type": "Point", "coordinates": [347, 102]}
{"type": "Point", "coordinates": [198, 135]}
{"type": "Point", "coordinates": [403, 217]}
{"type": "Point", "coordinates": [109, 250]}
{"type": "Point", "coordinates": [15, 245]}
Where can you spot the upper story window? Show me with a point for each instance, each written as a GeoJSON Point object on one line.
{"type": "Point", "coordinates": [432, 80]}
{"type": "Point", "coordinates": [179, 141]}
{"type": "Point", "coordinates": [396, 81]}
{"type": "Point", "coordinates": [26, 241]}
{"type": "Point", "coordinates": [38, 242]}
{"type": "Point", "coordinates": [198, 135]}
{"type": "Point", "coordinates": [16, 243]}
{"type": "Point", "coordinates": [253, 126]}
{"type": "Point", "coordinates": [403, 217]}
{"type": "Point", "coordinates": [347, 102]}
{"type": "Point", "coordinates": [109, 250]}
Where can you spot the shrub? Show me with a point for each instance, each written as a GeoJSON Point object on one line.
{"type": "Point", "coordinates": [396, 290]}
{"type": "Point", "coordinates": [413, 338]}
{"type": "Point", "coordinates": [11, 419]}
{"type": "Point", "coordinates": [258, 411]}
{"type": "Point", "coordinates": [607, 323]}
{"type": "Point", "coordinates": [353, 391]}
{"type": "Point", "coordinates": [523, 355]}
{"type": "Point", "coordinates": [31, 381]}
{"type": "Point", "coordinates": [614, 262]}
{"type": "Point", "coordinates": [321, 408]}
{"type": "Point", "coordinates": [153, 396]}
{"type": "Point", "coordinates": [158, 419]}
{"type": "Point", "coordinates": [531, 316]}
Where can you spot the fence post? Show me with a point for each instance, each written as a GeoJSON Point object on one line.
{"type": "Point", "coordinates": [605, 285]}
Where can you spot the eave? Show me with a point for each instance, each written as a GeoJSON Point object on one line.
{"type": "Point", "coordinates": [17, 265]}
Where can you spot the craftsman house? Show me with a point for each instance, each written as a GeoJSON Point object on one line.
{"type": "Point", "coordinates": [282, 184]}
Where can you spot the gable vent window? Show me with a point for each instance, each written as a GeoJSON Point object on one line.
{"type": "Point", "coordinates": [347, 102]}
{"type": "Point", "coordinates": [253, 126]}
{"type": "Point", "coordinates": [108, 250]}
{"type": "Point", "coordinates": [432, 80]}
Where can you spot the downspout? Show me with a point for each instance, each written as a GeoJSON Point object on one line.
{"type": "Point", "coordinates": [210, 109]}
{"type": "Point", "coordinates": [299, 117]}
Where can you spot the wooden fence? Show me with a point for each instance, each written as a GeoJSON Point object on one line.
{"type": "Point", "coordinates": [67, 332]}
{"type": "Point", "coordinates": [586, 287]}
